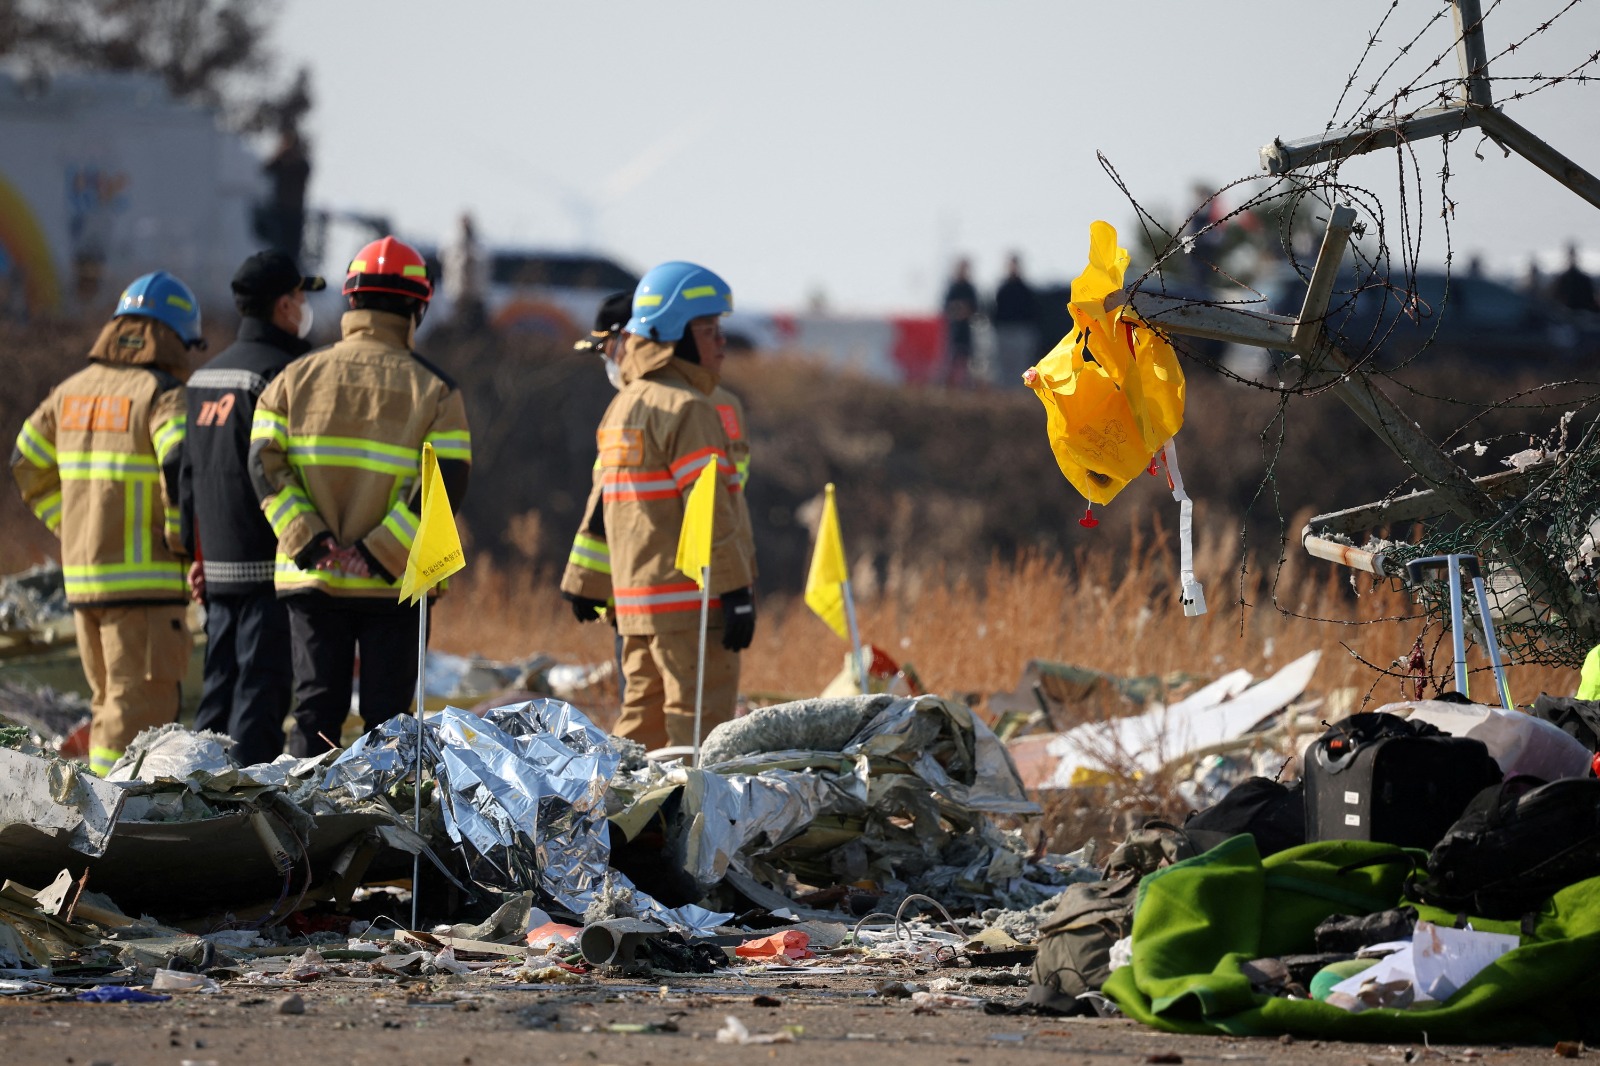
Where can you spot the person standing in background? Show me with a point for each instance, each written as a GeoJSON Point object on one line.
{"type": "Point", "coordinates": [1016, 324]}
{"type": "Point", "coordinates": [465, 277]}
{"type": "Point", "coordinates": [1572, 288]}
{"type": "Point", "coordinates": [960, 308]}
{"type": "Point", "coordinates": [248, 671]}
{"type": "Point", "coordinates": [282, 224]}
{"type": "Point", "coordinates": [98, 462]}
{"type": "Point", "coordinates": [659, 432]}
{"type": "Point", "coordinates": [335, 458]}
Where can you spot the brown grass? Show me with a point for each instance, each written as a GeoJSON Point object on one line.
{"type": "Point", "coordinates": [1112, 609]}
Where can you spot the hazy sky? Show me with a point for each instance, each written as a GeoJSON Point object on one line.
{"type": "Point", "coordinates": [855, 147]}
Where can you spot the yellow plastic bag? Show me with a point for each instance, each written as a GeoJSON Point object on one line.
{"type": "Point", "coordinates": [1112, 388]}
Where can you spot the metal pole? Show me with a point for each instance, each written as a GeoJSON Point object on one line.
{"type": "Point", "coordinates": [1525, 143]}
{"type": "Point", "coordinates": [1490, 643]}
{"type": "Point", "coordinates": [416, 807]}
{"type": "Point", "coordinates": [1472, 55]}
{"type": "Point", "coordinates": [1458, 639]}
{"type": "Point", "coordinates": [700, 673]}
{"type": "Point", "coordinates": [1319, 290]}
{"type": "Point", "coordinates": [855, 638]}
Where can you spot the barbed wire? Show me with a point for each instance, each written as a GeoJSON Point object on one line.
{"type": "Point", "coordinates": [1386, 314]}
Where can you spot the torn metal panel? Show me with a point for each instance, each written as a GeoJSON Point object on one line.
{"type": "Point", "coordinates": [524, 788]}
{"type": "Point", "coordinates": [172, 868]}
{"type": "Point", "coordinates": [55, 805]}
{"type": "Point", "coordinates": [1218, 717]}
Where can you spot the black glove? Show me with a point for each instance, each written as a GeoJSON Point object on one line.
{"type": "Point", "coordinates": [738, 619]}
{"type": "Point", "coordinates": [319, 548]}
{"type": "Point", "coordinates": [584, 609]}
{"type": "Point", "coordinates": [373, 565]}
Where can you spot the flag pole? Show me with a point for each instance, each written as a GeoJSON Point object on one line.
{"type": "Point", "coordinates": [700, 671]}
{"type": "Point", "coordinates": [416, 807]}
{"type": "Point", "coordinates": [855, 637]}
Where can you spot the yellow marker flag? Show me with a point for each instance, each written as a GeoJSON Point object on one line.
{"type": "Point", "coordinates": [436, 550]}
{"type": "Point", "coordinates": [825, 582]}
{"type": "Point", "coordinates": [694, 539]}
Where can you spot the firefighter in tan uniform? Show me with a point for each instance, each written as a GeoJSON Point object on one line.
{"type": "Point", "coordinates": [335, 455]}
{"type": "Point", "coordinates": [98, 463]}
{"type": "Point", "coordinates": [655, 438]}
{"type": "Point", "coordinates": [586, 583]}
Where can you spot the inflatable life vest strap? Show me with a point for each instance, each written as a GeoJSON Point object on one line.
{"type": "Point", "coordinates": [1191, 594]}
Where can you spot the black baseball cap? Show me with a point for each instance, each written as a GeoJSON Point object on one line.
{"type": "Point", "coordinates": [615, 310]}
{"type": "Point", "coordinates": [269, 275]}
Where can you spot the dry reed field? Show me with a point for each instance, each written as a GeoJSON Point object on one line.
{"type": "Point", "coordinates": [1111, 608]}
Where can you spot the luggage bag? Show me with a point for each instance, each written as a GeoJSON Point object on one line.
{"type": "Point", "coordinates": [1384, 778]}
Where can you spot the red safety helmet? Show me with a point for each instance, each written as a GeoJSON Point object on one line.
{"type": "Point", "coordinates": [389, 265]}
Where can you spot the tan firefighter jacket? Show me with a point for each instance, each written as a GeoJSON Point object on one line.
{"type": "Point", "coordinates": [588, 572]}
{"type": "Point", "coordinates": [98, 463]}
{"type": "Point", "coordinates": [656, 436]}
{"type": "Point", "coordinates": [336, 447]}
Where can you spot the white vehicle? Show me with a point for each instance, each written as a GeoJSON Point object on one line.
{"type": "Point", "coordinates": [549, 293]}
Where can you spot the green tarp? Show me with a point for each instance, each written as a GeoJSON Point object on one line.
{"type": "Point", "coordinates": [1195, 922]}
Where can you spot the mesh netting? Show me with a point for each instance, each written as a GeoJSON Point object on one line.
{"type": "Point", "coordinates": [1554, 501]}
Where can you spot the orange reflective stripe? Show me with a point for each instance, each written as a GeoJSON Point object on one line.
{"type": "Point", "coordinates": [655, 485]}
{"type": "Point", "coordinates": [660, 599]}
{"type": "Point", "coordinates": [686, 469]}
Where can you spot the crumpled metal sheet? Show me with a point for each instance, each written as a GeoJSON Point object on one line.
{"type": "Point", "coordinates": [381, 758]}
{"type": "Point", "coordinates": [50, 797]}
{"type": "Point", "coordinates": [951, 749]}
{"type": "Point", "coordinates": [734, 812]}
{"type": "Point", "coordinates": [173, 753]}
{"type": "Point", "coordinates": [524, 788]}
{"type": "Point", "coordinates": [822, 724]}
{"type": "Point", "coordinates": [916, 781]}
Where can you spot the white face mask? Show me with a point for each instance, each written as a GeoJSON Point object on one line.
{"type": "Point", "coordinates": [613, 374]}
{"type": "Point", "coordinates": [307, 316]}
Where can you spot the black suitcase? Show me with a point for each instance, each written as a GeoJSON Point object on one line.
{"type": "Point", "coordinates": [1388, 779]}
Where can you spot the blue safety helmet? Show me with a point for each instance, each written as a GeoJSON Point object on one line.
{"type": "Point", "coordinates": [167, 300]}
{"type": "Point", "coordinates": [673, 294]}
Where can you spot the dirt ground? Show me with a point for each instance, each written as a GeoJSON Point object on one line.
{"type": "Point", "coordinates": [445, 1020]}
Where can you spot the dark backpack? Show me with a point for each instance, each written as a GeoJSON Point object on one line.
{"type": "Point", "coordinates": [1074, 954]}
{"type": "Point", "coordinates": [1515, 845]}
{"type": "Point", "coordinates": [1272, 812]}
{"type": "Point", "coordinates": [1576, 718]}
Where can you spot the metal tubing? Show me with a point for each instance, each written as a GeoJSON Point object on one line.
{"type": "Point", "coordinates": [416, 807]}
{"type": "Point", "coordinates": [1458, 638]}
{"type": "Point", "coordinates": [1521, 140]}
{"type": "Point", "coordinates": [1214, 323]}
{"type": "Point", "coordinates": [1319, 290]}
{"type": "Point", "coordinates": [1471, 53]}
{"type": "Point", "coordinates": [1283, 157]}
{"type": "Point", "coordinates": [1505, 485]}
{"type": "Point", "coordinates": [1490, 643]}
{"type": "Point", "coordinates": [615, 942]}
{"type": "Point", "coordinates": [1344, 554]}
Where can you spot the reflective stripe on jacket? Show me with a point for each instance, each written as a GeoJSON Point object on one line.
{"type": "Point", "coordinates": [659, 432]}
{"type": "Point", "coordinates": [588, 571]}
{"type": "Point", "coordinates": [97, 461]}
{"type": "Point", "coordinates": [221, 512]}
{"type": "Point", "coordinates": [336, 447]}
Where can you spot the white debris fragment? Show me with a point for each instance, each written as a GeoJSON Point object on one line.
{"type": "Point", "coordinates": [734, 1031]}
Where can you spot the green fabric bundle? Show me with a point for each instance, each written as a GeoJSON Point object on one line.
{"type": "Point", "coordinates": [1196, 921]}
